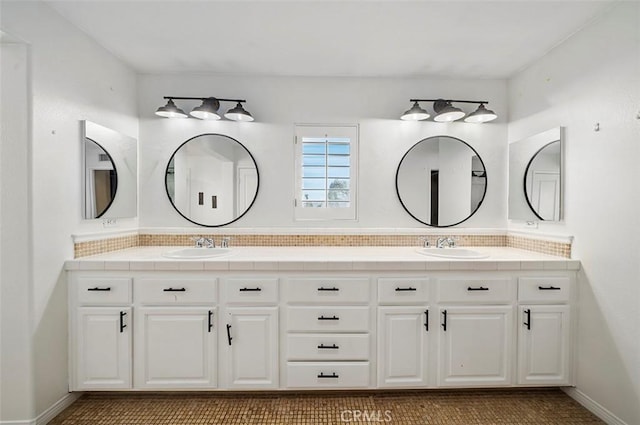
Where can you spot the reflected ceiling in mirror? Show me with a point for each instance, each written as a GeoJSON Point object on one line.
{"type": "Point", "coordinates": [441, 181]}
{"type": "Point", "coordinates": [212, 180]}
{"type": "Point", "coordinates": [535, 177]}
{"type": "Point", "coordinates": [109, 183]}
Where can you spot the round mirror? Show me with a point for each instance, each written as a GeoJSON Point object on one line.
{"type": "Point", "coordinates": [212, 180]}
{"type": "Point", "coordinates": [441, 181]}
{"type": "Point", "coordinates": [101, 179]}
{"type": "Point", "coordinates": [542, 182]}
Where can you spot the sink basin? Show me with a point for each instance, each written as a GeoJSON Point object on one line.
{"type": "Point", "coordinates": [460, 253]}
{"type": "Point", "coordinates": [191, 253]}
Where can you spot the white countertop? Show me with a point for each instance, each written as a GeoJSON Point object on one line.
{"type": "Point", "coordinates": [321, 258]}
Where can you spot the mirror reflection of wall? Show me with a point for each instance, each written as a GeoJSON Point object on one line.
{"type": "Point", "coordinates": [212, 180]}
{"type": "Point", "coordinates": [110, 173]}
{"type": "Point", "coordinates": [535, 177]}
{"type": "Point", "coordinates": [441, 181]}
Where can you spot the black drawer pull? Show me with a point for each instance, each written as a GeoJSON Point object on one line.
{"type": "Point", "coordinates": [229, 334]}
{"type": "Point", "coordinates": [480, 288]}
{"type": "Point", "coordinates": [334, 289]}
{"type": "Point", "coordinates": [333, 375]}
{"type": "Point", "coordinates": [175, 290]}
{"type": "Point", "coordinates": [328, 347]}
{"type": "Point", "coordinates": [258, 289]}
{"type": "Point", "coordinates": [210, 320]}
{"type": "Point", "coordinates": [405, 289]}
{"type": "Point", "coordinates": [527, 312]}
{"type": "Point", "coordinates": [108, 288]}
{"type": "Point", "coordinates": [122, 325]}
{"type": "Point", "coordinates": [328, 318]}
{"type": "Point", "coordinates": [548, 288]}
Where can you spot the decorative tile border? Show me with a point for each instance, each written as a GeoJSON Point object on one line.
{"type": "Point", "coordinates": [538, 245]}
{"type": "Point", "coordinates": [83, 249]}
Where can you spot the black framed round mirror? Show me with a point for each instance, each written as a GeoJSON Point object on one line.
{"type": "Point", "coordinates": [441, 181]}
{"type": "Point", "coordinates": [542, 182]}
{"type": "Point", "coordinates": [101, 179]}
{"type": "Point", "coordinates": [212, 180]}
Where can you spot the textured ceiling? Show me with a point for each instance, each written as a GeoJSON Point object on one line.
{"type": "Point", "coordinates": [485, 39]}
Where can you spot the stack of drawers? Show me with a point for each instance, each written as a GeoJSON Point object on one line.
{"type": "Point", "coordinates": [328, 335]}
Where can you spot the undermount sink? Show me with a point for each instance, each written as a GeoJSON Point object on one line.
{"type": "Point", "coordinates": [460, 253]}
{"type": "Point", "coordinates": [191, 253]}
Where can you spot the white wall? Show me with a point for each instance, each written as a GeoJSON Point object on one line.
{"type": "Point", "coordinates": [594, 78]}
{"type": "Point", "coordinates": [72, 79]}
{"type": "Point", "coordinates": [279, 103]}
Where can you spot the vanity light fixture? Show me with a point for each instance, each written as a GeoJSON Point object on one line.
{"type": "Point", "coordinates": [208, 110]}
{"type": "Point", "coordinates": [446, 112]}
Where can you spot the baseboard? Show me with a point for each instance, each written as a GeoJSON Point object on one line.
{"type": "Point", "coordinates": [55, 409]}
{"type": "Point", "coordinates": [593, 406]}
{"type": "Point", "coordinates": [31, 422]}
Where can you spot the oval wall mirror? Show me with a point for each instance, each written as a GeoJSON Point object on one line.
{"type": "Point", "coordinates": [109, 184]}
{"type": "Point", "coordinates": [441, 181]}
{"type": "Point", "coordinates": [542, 182]}
{"type": "Point", "coordinates": [212, 180]}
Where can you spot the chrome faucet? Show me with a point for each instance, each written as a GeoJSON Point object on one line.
{"type": "Point", "coordinates": [225, 242]}
{"type": "Point", "coordinates": [202, 242]}
{"type": "Point", "coordinates": [447, 242]}
{"type": "Point", "coordinates": [425, 242]}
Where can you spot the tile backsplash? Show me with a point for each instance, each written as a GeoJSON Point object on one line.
{"type": "Point", "coordinates": [86, 248]}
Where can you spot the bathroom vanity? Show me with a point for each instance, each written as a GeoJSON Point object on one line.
{"type": "Point", "coordinates": [268, 318]}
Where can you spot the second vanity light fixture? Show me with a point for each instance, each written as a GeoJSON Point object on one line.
{"type": "Point", "coordinates": [207, 111]}
{"type": "Point", "coordinates": [446, 112]}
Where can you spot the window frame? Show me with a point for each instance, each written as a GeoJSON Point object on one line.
{"type": "Point", "coordinates": [350, 131]}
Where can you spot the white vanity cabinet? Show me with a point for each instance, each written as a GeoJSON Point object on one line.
{"type": "Point", "coordinates": [328, 332]}
{"type": "Point", "coordinates": [249, 342]}
{"type": "Point", "coordinates": [476, 332]}
{"type": "Point", "coordinates": [175, 333]}
{"type": "Point", "coordinates": [100, 329]}
{"type": "Point", "coordinates": [403, 332]}
{"type": "Point", "coordinates": [544, 338]}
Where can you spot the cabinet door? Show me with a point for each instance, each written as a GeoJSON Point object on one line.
{"type": "Point", "coordinates": [102, 348]}
{"type": "Point", "coordinates": [175, 347]}
{"type": "Point", "coordinates": [543, 345]}
{"type": "Point", "coordinates": [251, 342]}
{"type": "Point", "coordinates": [476, 346]}
{"type": "Point", "coordinates": [402, 346]}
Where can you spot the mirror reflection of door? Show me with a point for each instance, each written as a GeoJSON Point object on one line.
{"type": "Point", "coordinates": [542, 182]}
{"type": "Point", "coordinates": [101, 180]}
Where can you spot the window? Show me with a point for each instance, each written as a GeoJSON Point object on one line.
{"type": "Point", "coordinates": [326, 172]}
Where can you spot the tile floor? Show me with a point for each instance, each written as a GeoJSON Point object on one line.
{"type": "Point", "coordinates": [464, 407]}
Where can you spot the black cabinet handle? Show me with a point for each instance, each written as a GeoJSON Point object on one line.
{"type": "Point", "coordinates": [333, 375]}
{"type": "Point", "coordinates": [210, 320]}
{"type": "Point", "coordinates": [548, 288]}
{"type": "Point", "coordinates": [405, 289]}
{"type": "Point", "coordinates": [426, 320]}
{"type": "Point", "coordinates": [444, 320]}
{"type": "Point", "coordinates": [328, 347]}
{"type": "Point", "coordinates": [328, 318]}
{"type": "Point", "coordinates": [175, 290]}
{"type": "Point", "coordinates": [333, 289]}
{"type": "Point", "coordinates": [229, 334]}
{"type": "Point", "coordinates": [257, 289]}
{"type": "Point", "coordinates": [122, 325]}
{"type": "Point", "coordinates": [108, 288]}
{"type": "Point", "coordinates": [527, 312]}
{"type": "Point", "coordinates": [480, 288]}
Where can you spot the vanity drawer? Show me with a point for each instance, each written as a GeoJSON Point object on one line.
{"type": "Point", "coordinates": [403, 290]}
{"type": "Point", "coordinates": [327, 374]}
{"type": "Point", "coordinates": [328, 347]}
{"type": "Point", "coordinates": [175, 291]}
{"type": "Point", "coordinates": [104, 291]}
{"type": "Point", "coordinates": [544, 289]}
{"type": "Point", "coordinates": [251, 291]}
{"type": "Point", "coordinates": [327, 291]}
{"type": "Point", "coordinates": [328, 319]}
{"type": "Point", "coordinates": [473, 290]}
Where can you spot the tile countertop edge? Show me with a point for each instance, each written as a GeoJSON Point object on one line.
{"type": "Point", "coordinates": [380, 259]}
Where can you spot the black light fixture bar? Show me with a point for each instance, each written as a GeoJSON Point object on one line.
{"type": "Point", "coordinates": [207, 111]}
{"type": "Point", "coordinates": [445, 112]}
{"type": "Point", "coordinates": [449, 100]}
{"type": "Point", "coordinates": [204, 98]}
